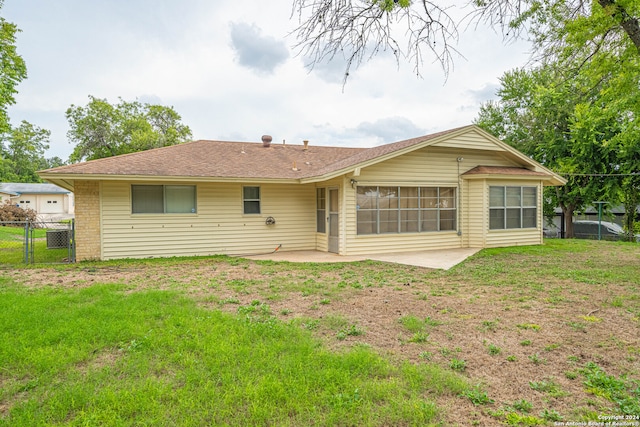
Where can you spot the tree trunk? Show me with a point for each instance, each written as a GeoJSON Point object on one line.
{"type": "Point", "coordinates": [568, 210]}
{"type": "Point", "coordinates": [631, 200]}
{"type": "Point", "coordinates": [629, 23]}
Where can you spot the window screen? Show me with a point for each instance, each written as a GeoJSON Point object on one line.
{"type": "Point", "coordinates": [163, 199]}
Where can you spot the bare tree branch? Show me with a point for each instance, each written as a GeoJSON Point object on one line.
{"type": "Point", "coordinates": [415, 30]}
{"type": "Point", "coordinates": [360, 29]}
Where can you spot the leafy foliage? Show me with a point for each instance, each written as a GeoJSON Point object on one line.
{"type": "Point", "coordinates": [477, 396]}
{"type": "Point", "coordinates": [12, 69]}
{"type": "Point", "coordinates": [624, 392]}
{"type": "Point", "coordinates": [22, 148]}
{"type": "Point", "coordinates": [580, 122]}
{"type": "Point", "coordinates": [101, 129]}
{"type": "Point", "coordinates": [24, 153]}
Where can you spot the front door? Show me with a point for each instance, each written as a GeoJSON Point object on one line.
{"type": "Point", "coordinates": [334, 221]}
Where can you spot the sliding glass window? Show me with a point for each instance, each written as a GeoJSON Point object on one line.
{"type": "Point", "coordinates": [163, 199]}
{"type": "Point", "coordinates": [383, 210]}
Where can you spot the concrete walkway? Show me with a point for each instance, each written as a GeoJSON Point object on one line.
{"type": "Point", "coordinates": [441, 259]}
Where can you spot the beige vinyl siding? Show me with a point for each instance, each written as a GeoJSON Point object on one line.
{"type": "Point", "coordinates": [218, 227]}
{"type": "Point", "coordinates": [437, 166]}
{"type": "Point", "coordinates": [400, 242]}
{"type": "Point", "coordinates": [522, 237]}
{"type": "Point", "coordinates": [426, 167]}
{"type": "Point", "coordinates": [432, 164]}
{"type": "Point", "coordinates": [475, 214]}
{"type": "Point", "coordinates": [470, 140]}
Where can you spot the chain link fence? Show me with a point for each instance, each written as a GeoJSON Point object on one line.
{"type": "Point", "coordinates": [37, 242]}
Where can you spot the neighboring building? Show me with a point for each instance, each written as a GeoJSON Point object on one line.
{"type": "Point", "coordinates": [615, 214]}
{"type": "Point", "coordinates": [453, 189]}
{"type": "Point", "coordinates": [42, 198]}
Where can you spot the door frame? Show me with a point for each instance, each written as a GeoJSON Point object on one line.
{"type": "Point", "coordinates": [333, 220]}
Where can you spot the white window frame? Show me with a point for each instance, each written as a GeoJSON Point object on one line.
{"type": "Point", "coordinates": [194, 209]}
{"type": "Point", "coordinates": [246, 200]}
{"type": "Point", "coordinates": [507, 208]}
{"type": "Point", "coordinates": [420, 210]}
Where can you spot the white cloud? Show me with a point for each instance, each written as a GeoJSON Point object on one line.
{"type": "Point", "coordinates": [232, 80]}
{"type": "Point", "coordinates": [255, 51]}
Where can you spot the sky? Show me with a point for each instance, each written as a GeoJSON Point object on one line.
{"type": "Point", "coordinates": [231, 70]}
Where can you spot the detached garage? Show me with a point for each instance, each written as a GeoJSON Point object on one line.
{"type": "Point", "coordinates": [42, 198]}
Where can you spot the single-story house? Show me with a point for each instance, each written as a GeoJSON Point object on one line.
{"type": "Point", "coordinates": [453, 189]}
{"type": "Point", "coordinates": [42, 198]}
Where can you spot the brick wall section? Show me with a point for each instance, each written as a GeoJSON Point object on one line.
{"type": "Point", "coordinates": [87, 196]}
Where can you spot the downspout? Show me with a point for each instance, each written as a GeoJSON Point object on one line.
{"type": "Point", "coordinates": [459, 209]}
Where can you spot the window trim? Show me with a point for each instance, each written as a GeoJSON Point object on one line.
{"type": "Point", "coordinates": [194, 210]}
{"type": "Point", "coordinates": [506, 207]}
{"type": "Point", "coordinates": [245, 200]}
{"type": "Point", "coordinates": [420, 210]}
{"type": "Point", "coordinates": [321, 226]}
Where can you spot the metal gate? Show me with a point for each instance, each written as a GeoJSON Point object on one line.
{"type": "Point", "coordinates": [37, 242]}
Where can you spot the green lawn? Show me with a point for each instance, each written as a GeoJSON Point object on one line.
{"type": "Point", "coordinates": [101, 356]}
{"type": "Point", "coordinates": [513, 336]}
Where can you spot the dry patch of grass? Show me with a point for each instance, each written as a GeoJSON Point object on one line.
{"type": "Point", "coordinates": [532, 326]}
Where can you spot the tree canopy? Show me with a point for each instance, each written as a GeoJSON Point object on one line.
{"type": "Point", "coordinates": [12, 69]}
{"type": "Point", "coordinates": [579, 125]}
{"type": "Point", "coordinates": [24, 153]}
{"type": "Point", "coordinates": [101, 129]}
{"type": "Point", "coordinates": [415, 30]}
{"type": "Point", "coordinates": [21, 148]}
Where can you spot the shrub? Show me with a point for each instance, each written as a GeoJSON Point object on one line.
{"type": "Point", "coordinates": [11, 212]}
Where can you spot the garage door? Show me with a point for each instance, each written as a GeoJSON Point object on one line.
{"type": "Point", "coordinates": [53, 203]}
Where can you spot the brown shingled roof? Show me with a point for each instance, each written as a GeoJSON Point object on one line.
{"type": "Point", "coordinates": [381, 151]}
{"type": "Point", "coordinates": [249, 160]}
{"type": "Point", "coordinates": [221, 159]}
{"type": "Point", "coordinates": [215, 159]}
{"type": "Point", "coordinates": [499, 170]}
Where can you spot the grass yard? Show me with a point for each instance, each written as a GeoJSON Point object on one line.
{"type": "Point", "coordinates": [12, 247]}
{"type": "Point", "coordinates": [516, 336]}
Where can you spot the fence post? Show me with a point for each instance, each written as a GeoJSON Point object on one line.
{"type": "Point", "coordinates": [26, 242]}
{"type": "Point", "coordinates": [72, 242]}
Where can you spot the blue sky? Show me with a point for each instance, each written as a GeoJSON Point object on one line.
{"type": "Point", "coordinates": [230, 70]}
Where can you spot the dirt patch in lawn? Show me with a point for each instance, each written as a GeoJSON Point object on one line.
{"type": "Point", "coordinates": [520, 326]}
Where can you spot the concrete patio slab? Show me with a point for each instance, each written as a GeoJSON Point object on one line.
{"type": "Point", "coordinates": [438, 259]}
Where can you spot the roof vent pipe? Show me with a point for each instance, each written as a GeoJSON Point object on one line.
{"type": "Point", "coordinates": [266, 141]}
{"type": "Point", "coordinates": [306, 144]}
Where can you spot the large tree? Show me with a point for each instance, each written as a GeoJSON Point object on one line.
{"type": "Point", "coordinates": [12, 70]}
{"type": "Point", "coordinates": [415, 29]}
{"type": "Point", "coordinates": [571, 123]}
{"type": "Point", "coordinates": [22, 150]}
{"type": "Point", "coordinates": [101, 129]}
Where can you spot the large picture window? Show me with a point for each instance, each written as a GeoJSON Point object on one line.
{"type": "Point", "coordinates": [513, 207]}
{"type": "Point", "coordinates": [168, 199]}
{"type": "Point", "coordinates": [383, 210]}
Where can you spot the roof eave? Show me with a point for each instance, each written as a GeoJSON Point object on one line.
{"type": "Point", "coordinates": [384, 157]}
{"type": "Point", "coordinates": [548, 180]}
{"type": "Point", "coordinates": [68, 179]}
{"type": "Point", "coordinates": [556, 179]}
